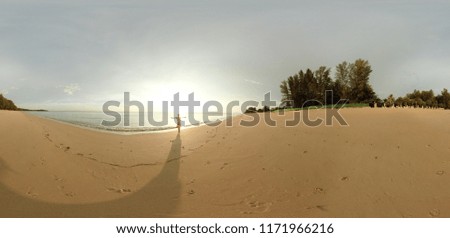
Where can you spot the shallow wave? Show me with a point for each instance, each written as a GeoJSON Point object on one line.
{"type": "Point", "coordinates": [94, 124]}
{"type": "Point", "coordinates": [123, 129]}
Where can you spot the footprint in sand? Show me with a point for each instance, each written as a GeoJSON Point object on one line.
{"type": "Point", "coordinates": [47, 136]}
{"type": "Point", "coordinates": [224, 165]}
{"type": "Point", "coordinates": [31, 193]}
{"type": "Point", "coordinates": [43, 161]}
{"type": "Point", "coordinates": [345, 178]}
{"type": "Point", "coordinates": [191, 192]}
{"type": "Point", "coordinates": [434, 213]}
{"type": "Point", "coordinates": [56, 178]}
{"type": "Point", "coordinates": [121, 190]}
{"type": "Point", "coordinates": [63, 190]}
{"type": "Point", "coordinates": [191, 182]}
{"type": "Point", "coordinates": [255, 206]}
{"type": "Point", "coordinates": [440, 172]}
{"type": "Point", "coordinates": [318, 190]}
{"type": "Point", "coordinates": [320, 207]}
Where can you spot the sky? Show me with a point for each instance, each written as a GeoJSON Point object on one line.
{"type": "Point", "coordinates": [76, 55]}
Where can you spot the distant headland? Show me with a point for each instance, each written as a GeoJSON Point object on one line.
{"type": "Point", "coordinates": [6, 104]}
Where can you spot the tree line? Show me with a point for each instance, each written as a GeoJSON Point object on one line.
{"type": "Point", "coordinates": [351, 81]}
{"type": "Point", "coordinates": [418, 98]}
{"type": "Point", "coordinates": [6, 104]}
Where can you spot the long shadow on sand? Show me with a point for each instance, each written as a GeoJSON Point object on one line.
{"type": "Point", "coordinates": [159, 198]}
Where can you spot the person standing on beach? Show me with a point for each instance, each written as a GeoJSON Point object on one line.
{"type": "Point", "coordinates": [178, 122]}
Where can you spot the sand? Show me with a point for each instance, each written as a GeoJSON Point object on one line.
{"type": "Point", "coordinates": [386, 163]}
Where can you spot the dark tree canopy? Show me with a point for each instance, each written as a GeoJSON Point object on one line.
{"type": "Point", "coordinates": [360, 89]}
{"type": "Point", "coordinates": [424, 99]}
{"type": "Point", "coordinates": [307, 88]}
{"type": "Point", "coordinates": [342, 77]}
{"type": "Point", "coordinates": [6, 104]}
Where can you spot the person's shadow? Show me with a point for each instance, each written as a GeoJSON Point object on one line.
{"type": "Point", "coordinates": [158, 198]}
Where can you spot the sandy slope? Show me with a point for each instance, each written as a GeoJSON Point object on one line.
{"type": "Point", "coordinates": [386, 163]}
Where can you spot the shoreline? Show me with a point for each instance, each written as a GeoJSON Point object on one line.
{"type": "Point", "coordinates": [124, 132]}
{"type": "Point", "coordinates": [149, 130]}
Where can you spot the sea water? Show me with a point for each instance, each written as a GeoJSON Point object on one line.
{"type": "Point", "coordinates": [94, 120]}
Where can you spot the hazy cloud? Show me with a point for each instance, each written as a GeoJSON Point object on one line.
{"type": "Point", "coordinates": [252, 81]}
{"type": "Point", "coordinates": [71, 88]}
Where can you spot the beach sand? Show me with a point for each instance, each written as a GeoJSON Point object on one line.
{"type": "Point", "coordinates": [386, 163]}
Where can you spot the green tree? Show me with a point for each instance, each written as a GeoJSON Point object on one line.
{"type": "Point", "coordinates": [399, 102]}
{"type": "Point", "coordinates": [324, 82]}
{"type": "Point", "coordinates": [443, 100]}
{"type": "Point", "coordinates": [293, 83]}
{"type": "Point", "coordinates": [285, 93]}
{"type": "Point", "coordinates": [389, 102]}
{"type": "Point", "coordinates": [6, 104]}
{"type": "Point", "coordinates": [429, 98]}
{"type": "Point", "coordinates": [361, 90]}
{"type": "Point", "coordinates": [307, 88]}
{"type": "Point", "coordinates": [424, 99]}
{"type": "Point", "coordinates": [342, 77]}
